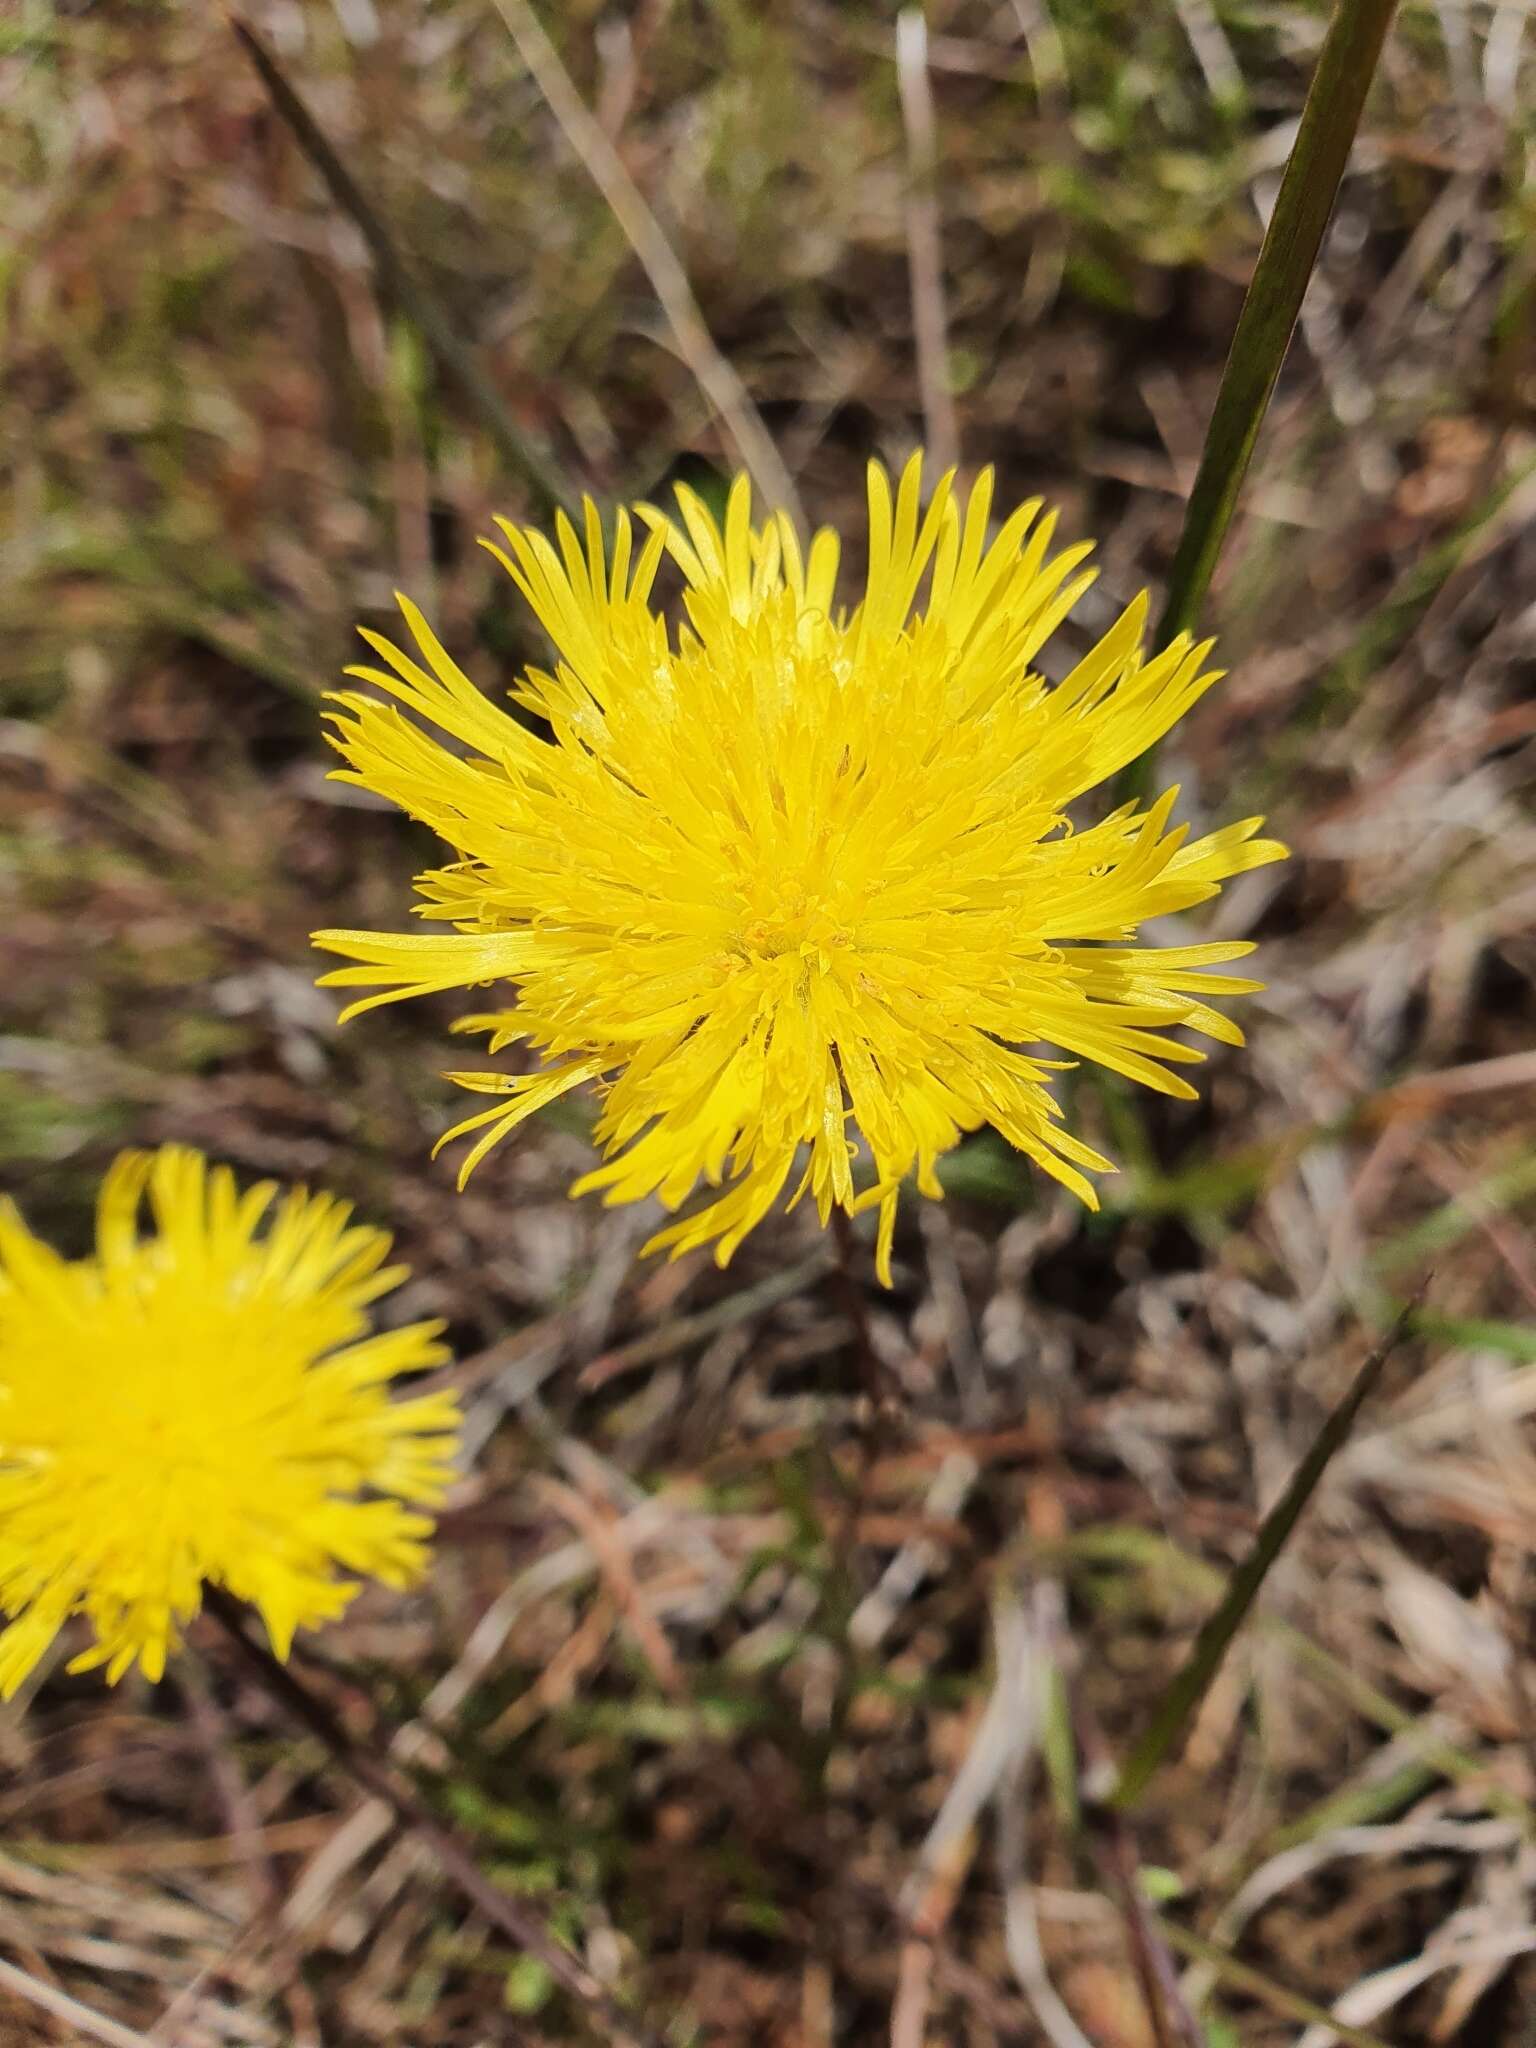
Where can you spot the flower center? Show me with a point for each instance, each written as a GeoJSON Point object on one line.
{"type": "Point", "coordinates": [798, 921]}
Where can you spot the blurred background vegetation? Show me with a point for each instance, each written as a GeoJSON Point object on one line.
{"type": "Point", "coordinates": [735, 1757]}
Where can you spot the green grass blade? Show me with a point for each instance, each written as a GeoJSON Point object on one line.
{"type": "Point", "coordinates": [1137, 1549]}
{"type": "Point", "coordinates": [1264, 327]}
{"type": "Point", "coordinates": [1514, 1341]}
{"type": "Point", "coordinates": [1190, 1684]}
{"type": "Point", "coordinates": [1291, 242]}
{"type": "Point", "coordinates": [1244, 1977]}
{"type": "Point", "coordinates": [1492, 1196]}
{"type": "Point", "coordinates": [455, 361]}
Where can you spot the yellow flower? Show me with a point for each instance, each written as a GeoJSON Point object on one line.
{"type": "Point", "coordinates": [204, 1403]}
{"type": "Point", "coordinates": [793, 877]}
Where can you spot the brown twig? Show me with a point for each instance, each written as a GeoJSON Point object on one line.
{"type": "Point", "coordinates": [510, 1915]}
{"type": "Point", "coordinates": [681, 1331]}
{"type": "Point", "coordinates": [399, 280]}
{"type": "Point", "coordinates": [1113, 1849]}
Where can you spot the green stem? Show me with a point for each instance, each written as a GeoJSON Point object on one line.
{"type": "Point", "coordinates": [1264, 327]}
{"type": "Point", "coordinates": [1243, 1977]}
{"type": "Point", "coordinates": [1291, 242]}
{"type": "Point", "coordinates": [1191, 1682]}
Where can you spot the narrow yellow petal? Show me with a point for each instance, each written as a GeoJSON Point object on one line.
{"type": "Point", "coordinates": [203, 1402]}
{"type": "Point", "coordinates": [806, 892]}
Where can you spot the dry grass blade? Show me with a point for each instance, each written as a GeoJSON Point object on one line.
{"type": "Point", "coordinates": [681, 1331]}
{"type": "Point", "coordinates": [1190, 1684]}
{"type": "Point", "coordinates": [930, 322]}
{"type": "Point", "coordinates": [90, 2026]}
{"type": "Point", "coordinates": [715, 376]}
{"type": "Point", "coordinates": [453, 358]}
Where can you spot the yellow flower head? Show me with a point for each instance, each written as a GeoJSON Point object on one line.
{"type": "Point", "coordinates": [204, 1403]}
{"type": "Point", "coordinates": [794, 878]}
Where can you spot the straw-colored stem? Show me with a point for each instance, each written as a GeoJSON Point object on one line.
{"type": "Point", "coordinates": [716, 377]}
{"type": "Point", "coordinates": [925, 241]}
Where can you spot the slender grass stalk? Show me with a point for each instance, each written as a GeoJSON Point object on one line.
{"type": "Point", "coordinates": [1191, 1682]}
{"type": "Point", "coordinates": [1308, 190]}
{"type": "Point", "coordinates": [1173, 2024]}
{"type": "Point", "coordinates": [457, 363]}
{"type": "Point", "coordinates": [51, 1998]}
{"type": "Point", "coordinates": [714, 374]}
{"type": "Point", "coordinates": [1291, 242]}
{"type": "Point", "coordinates": [925, 240]}
{"type": "Point", "coordinates": [1139, 1549]}
{"type": "Point", "coordinates": [1243, 1977]}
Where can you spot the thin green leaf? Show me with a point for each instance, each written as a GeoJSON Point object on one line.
{"type": "Point", "coordinates": [1244, 1977]}
{"type": "Point", "coordinates": [1515, 1341]}
{"type": "Point", "coordinates": [1146, 1550]}
{"type": "Point", "coordinates": [1190, 1684]}
{"type": "Point", "coordinates": [1493, 1195]}
{"type": "Point", "coordinates": [1356, 1806]}
{"type": "Point", "coordinates": [1291, 242]}
{"type": "Point", "coordinates": [1058, 1747]}
{"type": "Point", "coordinates": [1264, 327]}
